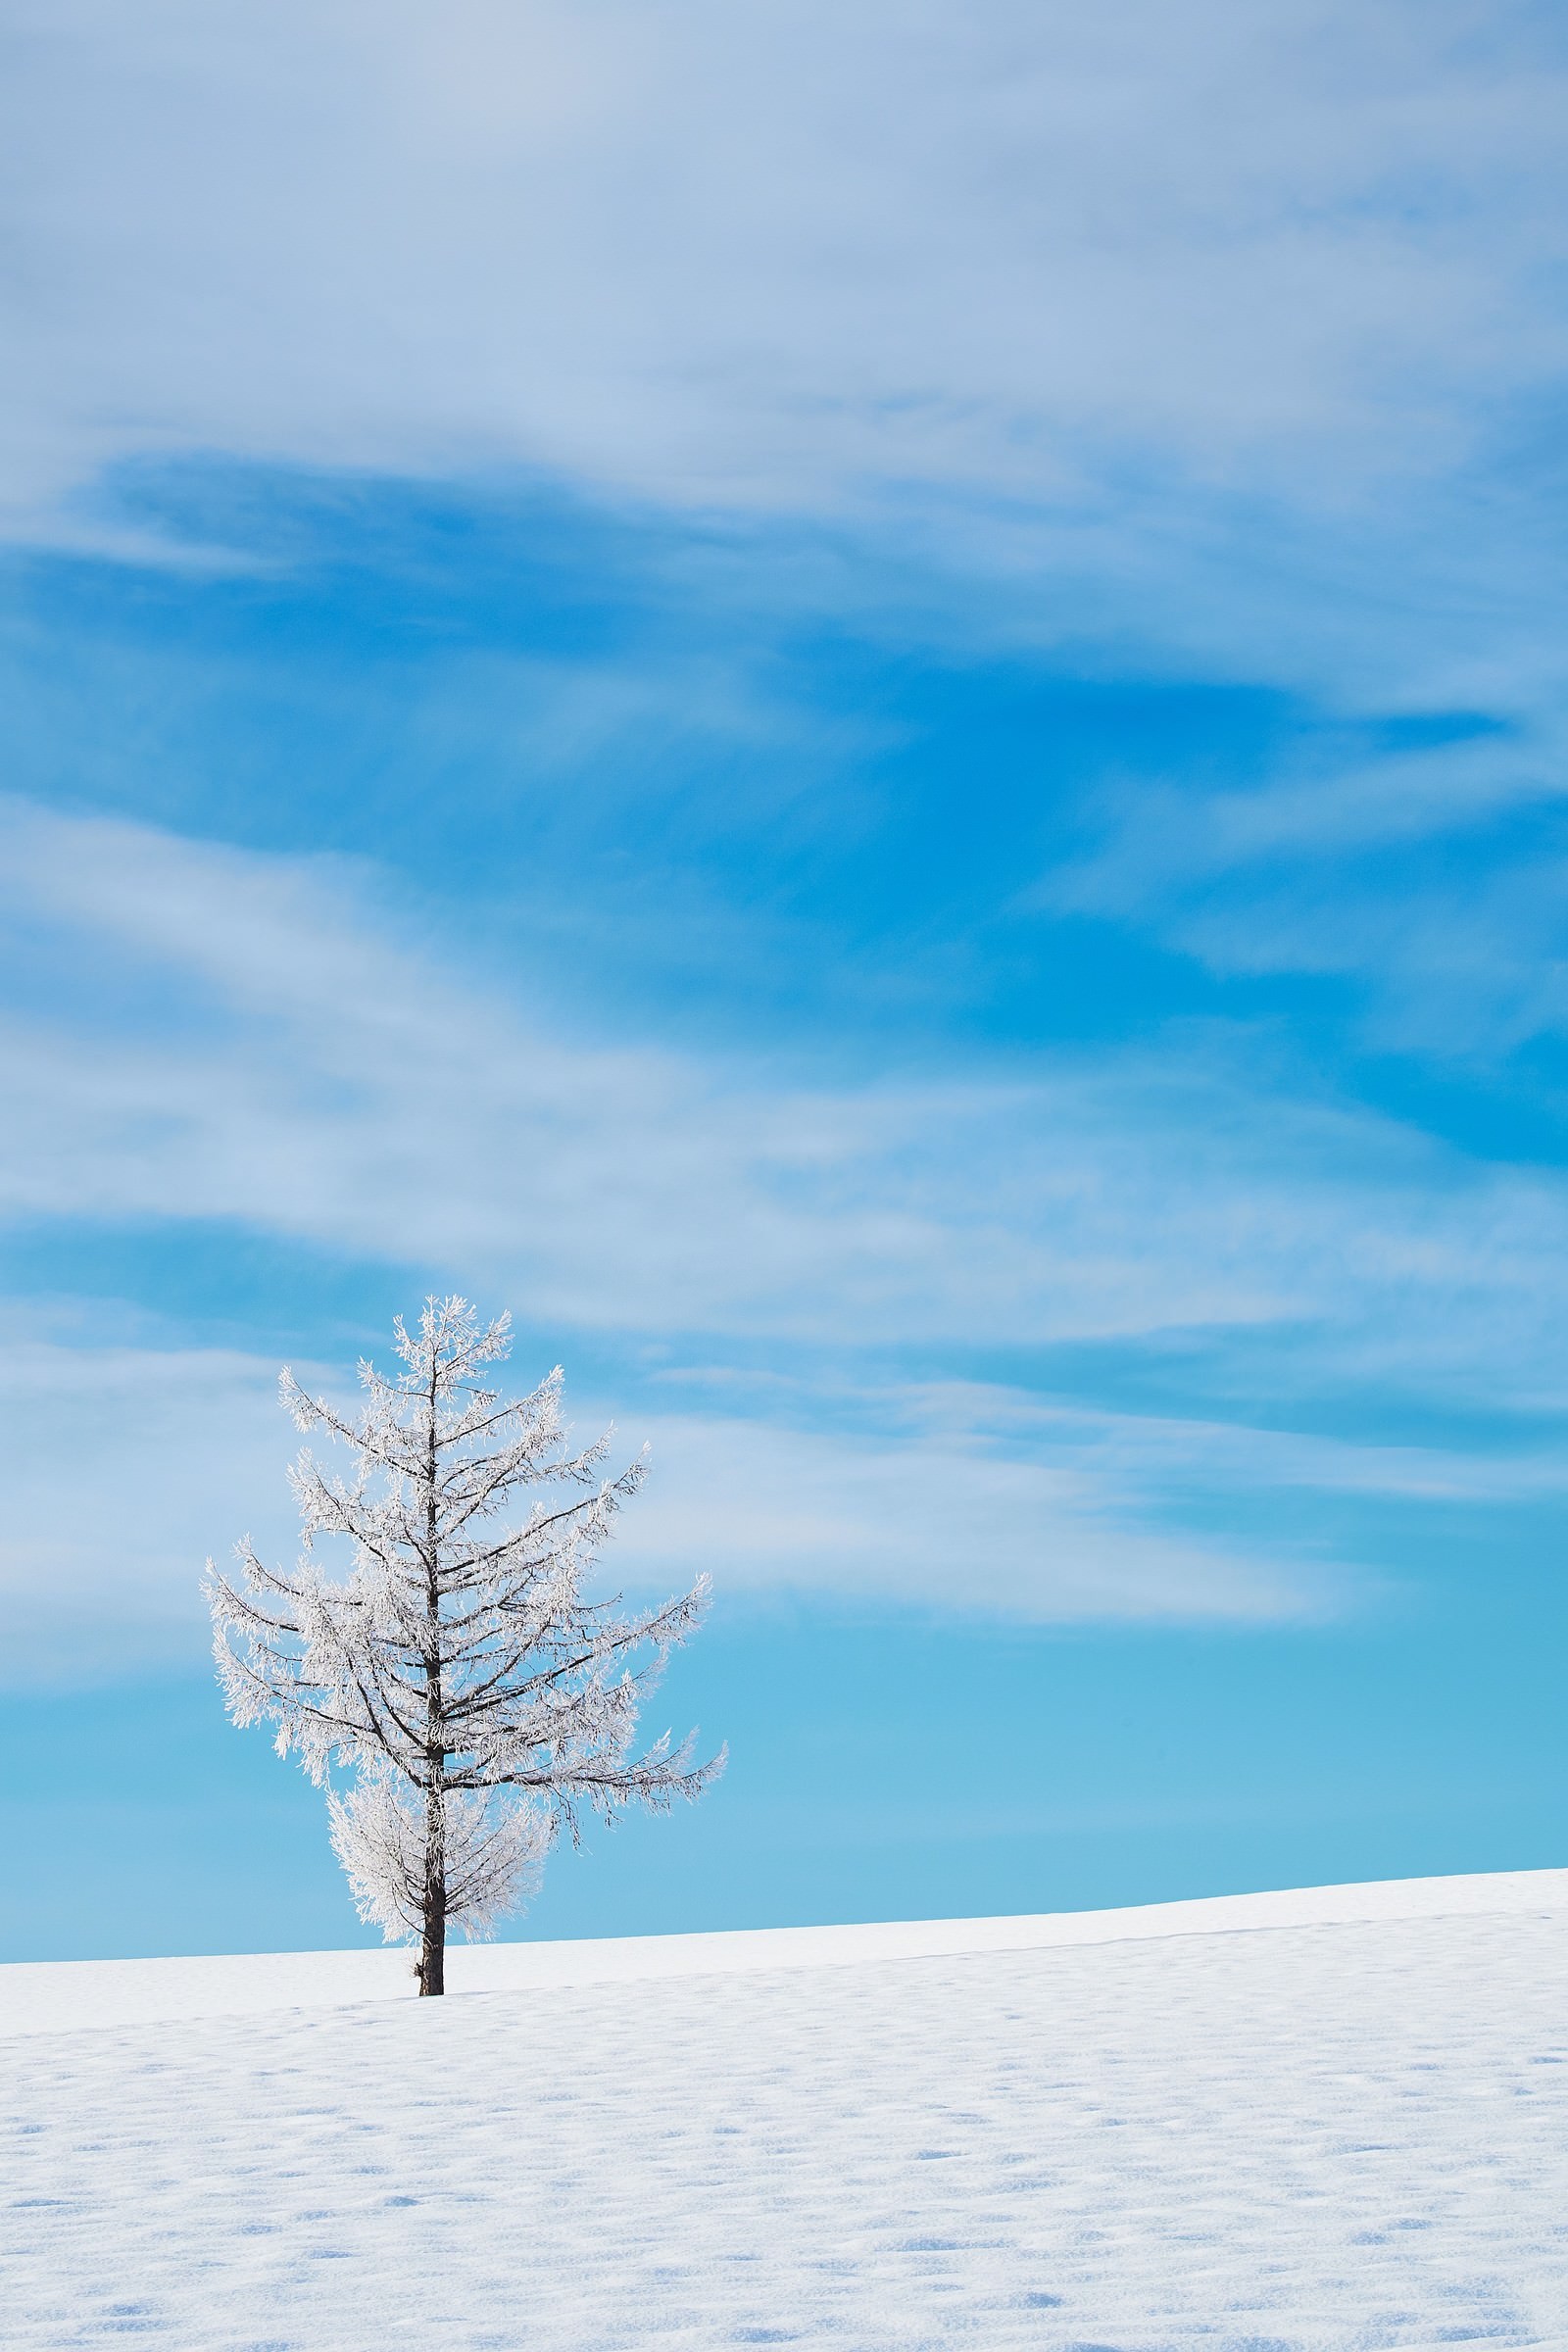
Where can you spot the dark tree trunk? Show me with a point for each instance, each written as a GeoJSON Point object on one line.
{"type": "Point", "coordinates": [433, 1941]}
{"type": "Point", "coordinates": [434, 1944]}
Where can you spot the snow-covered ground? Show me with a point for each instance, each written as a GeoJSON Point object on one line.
{"type": "Point", "coordinates": [1330, 2119]}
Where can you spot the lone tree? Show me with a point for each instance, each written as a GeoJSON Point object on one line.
{"type": "Point", "coordinates": [480, 1702]}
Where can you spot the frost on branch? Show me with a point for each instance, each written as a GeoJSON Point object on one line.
{"type": "Point", "coordinates": [495, 1854]}
{"type": "Point", "coordinates": [480, 1703]}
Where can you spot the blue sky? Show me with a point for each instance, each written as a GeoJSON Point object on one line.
{"type": "Point", "coordinates": [871, 717]}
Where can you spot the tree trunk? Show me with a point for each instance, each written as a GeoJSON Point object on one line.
{"type": "Point", "coordinates": [433, 1945]}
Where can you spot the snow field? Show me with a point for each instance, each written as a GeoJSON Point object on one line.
{"type": "Point", "coordinates": [1329, 2136]}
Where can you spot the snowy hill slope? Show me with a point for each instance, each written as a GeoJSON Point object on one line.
{"type": "Point", "coordinates": [1330, 2119]}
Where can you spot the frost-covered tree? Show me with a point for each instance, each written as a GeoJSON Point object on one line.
{"type": "Point", "coordinates": [481, 1704]}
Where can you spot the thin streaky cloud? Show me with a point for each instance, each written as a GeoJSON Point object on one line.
{"type": "Point", "coordinates": [959, 1499]}
{"type": "Point", "coordinates": [979, 1502]}
{"type": "Point", "coordinates": [296, 1059]}
{"type": "Point", "coordinates": [773, 256]}
{"type": "Point", "coordinates": [1437, 879]}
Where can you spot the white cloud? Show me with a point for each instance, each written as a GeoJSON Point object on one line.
{"type": "Point", "coordinates": [1460, 955]}
{"type": "Point", "coordinates": [989, 1499]}
{"type": "Point", "coordinates": [129, 1464]}
{"type": "Point", "coordinates": [785, 253]}
{"type": "Point", "coordinates": [940, 1525]}
{"type": "Point", "coordinates": [215, 1034]}
{"type": "Point", "coordinates": [1163, 839]}
{"type": "Point", "coordinates": [186, 1450]}
{"type": "Point", "coordinates": [1468, 967]}
{"type": "Point", "coordinates": [222, 1035]}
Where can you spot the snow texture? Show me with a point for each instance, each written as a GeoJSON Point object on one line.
{"type": "Point", "coordinates": [1331, 2118]}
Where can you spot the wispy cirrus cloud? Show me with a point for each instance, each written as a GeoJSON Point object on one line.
{"type": "Point", "coordinates": [198, 1035]}
{"type": "Point", "coordinates": [102, 1574]}
{"type": "Point", "coordinates": [786, 256]}
{"type": "Point", "coordinates": [203, 1033]}
{"type": "Point", "coordinates": [213, 1033]}
{"type": "Point", "coordinates": [1436, 876]}
{"type": "Point", "coordinates": [955, 1498]}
